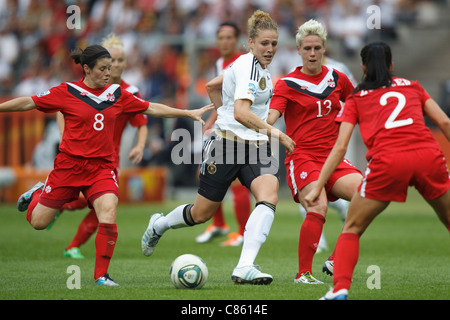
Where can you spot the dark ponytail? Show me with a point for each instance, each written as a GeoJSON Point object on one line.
{"type": "Point", "coordinates": [89, 56]}
{"type": "Point", "coordinates": [377, 58]}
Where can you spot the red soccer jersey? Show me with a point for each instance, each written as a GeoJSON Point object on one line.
{"type": "Point", "coordinates": [390, 119]}
{"type": "Point", "coordinates": [136, 120]}
{"type": "Point", "coordinates": [310, 105]}
{"type": "Point", "coordinates": [89, 116]}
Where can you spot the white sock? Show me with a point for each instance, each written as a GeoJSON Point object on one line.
{"type": "Point", "coordinates": [173, 220]}
{"type": "Point", "coordinates": [302, 211]}
{"type": "Point", "coordinates": [323, 242]}
{"type": "Point", "coordinates": [341, 206]}
{"type": "Point", "coordinates": [256, 231]}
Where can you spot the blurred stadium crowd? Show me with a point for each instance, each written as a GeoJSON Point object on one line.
{"type": "Point", "coordinates": [35, 40]}
{"type": "Point", "coordinates": [158, 35]}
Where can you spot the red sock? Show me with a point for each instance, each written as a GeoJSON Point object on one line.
{"type": "Point", "coordinates": [241, 202]}
{"type": "Point", "coordinates": [218, 219]}
{"type": "Point", "coordinates": [333, 255]}
{"type": "Point", "coordinates": [85, 230]}
{"type": "Point", "coordinates": [105, 241]}
{"type": "Point", "coordinates": [309, 240]}
{"type": "Point", "coordinates": [347, 252]}
{"type": "Point", "coordinates": [33, 204]}
{"type": "Point", "coordinates": [80, 203]}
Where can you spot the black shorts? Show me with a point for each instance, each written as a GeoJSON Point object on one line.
{"type": "Point", "coordinates": [225, 160]}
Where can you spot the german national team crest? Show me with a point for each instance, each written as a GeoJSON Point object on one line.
{"type": "Point", "coordinates": [262, 83]}
{"type": "Point", "coordinates": [212, 169]}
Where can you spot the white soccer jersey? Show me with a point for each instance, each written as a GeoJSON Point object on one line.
{"type": "Point", "coordinates": [244, 79]}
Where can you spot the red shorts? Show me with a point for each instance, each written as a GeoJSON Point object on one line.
{"type": "Point", "coordinates": [72, 175]}
{"type": "Point", "coordinates": [387, 177]}
{"type": "Point", "coordinates": [302, 169]}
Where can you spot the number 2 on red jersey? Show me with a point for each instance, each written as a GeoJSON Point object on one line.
{"type": "Point", "coordinates": [392, 121]}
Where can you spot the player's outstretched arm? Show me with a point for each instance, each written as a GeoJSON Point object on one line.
{"type": "Point", "coordinates": [18, 104]}
{"type": "Point", "coordinates": [159, 110]}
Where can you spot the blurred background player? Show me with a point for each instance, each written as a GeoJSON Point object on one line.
{"type": "Point", "coordinates": [404, 153]}
{"type": "Point", "coordinates": [227, 43]}
{"type": "Point", "coordinates": [89, 224]}
{"type": "Point", "coordinates": [310, 98]}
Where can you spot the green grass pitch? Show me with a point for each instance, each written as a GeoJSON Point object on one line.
{"type": "Point", "coordinates": [407, 243]}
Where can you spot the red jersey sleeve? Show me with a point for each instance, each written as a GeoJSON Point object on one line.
{"type": "Point", "coordinates": [423, 93]}
{"type": "Point", "coordinates": [348, 112]}
{"type": "Point", "coordinates": [347, 87]}
{"type": "Point", "coordinates": [280, 97]}
{"type": "Point", "coordinates": [50, 100]}
{"type": "Point", "coordinates": [132, 103]}
{"type": "Point", "coordinates": [138, 120]}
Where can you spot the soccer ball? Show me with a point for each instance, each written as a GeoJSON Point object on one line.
{"type": "Point", "coordinates": [188, 271]}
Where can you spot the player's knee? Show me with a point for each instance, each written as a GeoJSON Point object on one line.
{"type": "Point", "coordinates": [196, 216]}
{"type": "Point", "coordinates": [38, 223]}
{"type": "Point", "coordinates": [354, 226]}
{"type": "Point", "coordinates": [201, 219]}
{"type": "Point", "coordinates": [107, 215]}
{"type": "Point", "coordinates": [38, 226]}
{"type": "Point", "coordinates": [270, 198]}
{"type": "Point", "coordinates": [273, 199]}
{"type": "Point", "coordinates": [321, 207]}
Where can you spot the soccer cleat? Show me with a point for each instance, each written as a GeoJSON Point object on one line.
{"type": "Point", "coordinates": [150, 238]}
{"type": "Point", "coordinates": [250, 275]}
{"type": "Point", "coordinates": [307, 278]}
{"type": "Point", "coordinates": [24, 200]}
{"type": "Point", "coordinates": [328, 267]}
{"type": "Point", "coordinates": [212, 232]}
{"type": "Point", "coordinates": [106, 281]}
{"type": "Point", "coordinates": [340, 295]}
{"type": "Point", "coordinates": [234, 240]}
{"type": "Point", "coordinates": [73, 253]}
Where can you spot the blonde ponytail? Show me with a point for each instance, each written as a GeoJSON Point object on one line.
{"type": "Point", "coordinates": [112, 41]}
{"type": "Point", "coordinates": [260, 20]}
